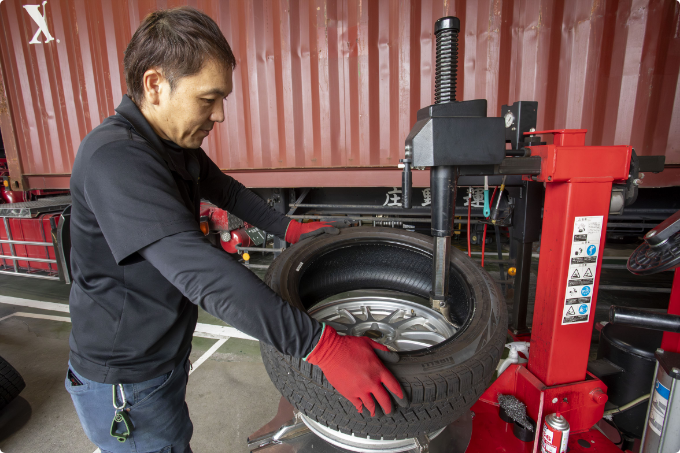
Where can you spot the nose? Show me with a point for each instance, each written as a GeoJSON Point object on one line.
{"type": "Point", "coordinates": [217, 114]}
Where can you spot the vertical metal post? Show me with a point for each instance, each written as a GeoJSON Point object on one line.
{"type": "Point", "coordinates": [443, 182]}
{"type": "Point", "coordinates": [518, 317]}
{"type": "Point", "coordinates": [23, 236]}
{"type": "Point", "coordinates": [47, 249]}
{"type": "Point", "coordinates": [526, 230]}
{"type": "Point", "coordinates": [499, 250]}
{"type": "Point", "coordinates": [441, 265]}
{"type": "Point", "coordinates": [11, 246]}
{"type": "Point", "coordinates": [281, 205]}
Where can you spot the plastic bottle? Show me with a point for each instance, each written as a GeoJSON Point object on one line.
{"type": "Point", "coordinates": [513, 357]}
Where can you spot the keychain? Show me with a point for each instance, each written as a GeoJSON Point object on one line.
{"type": "Point", "coordinates": [120, 416]}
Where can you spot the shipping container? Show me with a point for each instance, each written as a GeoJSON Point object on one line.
{"type": "Point", "coordinates": [325, 91]}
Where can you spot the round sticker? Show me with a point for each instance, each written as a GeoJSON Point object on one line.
{"type": "Point", "coordinates": [585, 290]}
{"type": "Point", "coordinates": [591, 250]}
{"type": "Point", "coordinates": [583, 309]}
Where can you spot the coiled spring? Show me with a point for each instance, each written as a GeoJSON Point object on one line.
{"type": "Point", "coordinates": [446, 66]}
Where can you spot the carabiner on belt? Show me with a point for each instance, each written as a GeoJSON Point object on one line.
{"type": "Point", "coordinates": [120, 416]}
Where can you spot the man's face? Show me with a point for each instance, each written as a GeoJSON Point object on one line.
{"type": "Point", "coordinates": [187, 114]}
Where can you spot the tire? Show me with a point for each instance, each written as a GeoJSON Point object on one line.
{"type": "Point", "coordinates": [442, 381]}
{"type": "Point", "coordinates": [11, 383]}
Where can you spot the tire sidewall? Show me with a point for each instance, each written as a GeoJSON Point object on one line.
{"type": "Point", "coordinates": [487, 313]}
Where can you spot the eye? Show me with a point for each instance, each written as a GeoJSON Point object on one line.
{"type": "Point", "coordinates": [208, 101]}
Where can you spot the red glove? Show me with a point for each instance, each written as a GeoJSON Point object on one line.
{"type": "Point", "coordinates": [353, 367]}
{"type": "Point", "coordinates": [297, 231]}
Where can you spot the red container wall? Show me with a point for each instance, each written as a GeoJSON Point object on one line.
{"type": "Point", "coordinates": [38, 229]}
{"type": "Point", "coordinates": [336, 83]}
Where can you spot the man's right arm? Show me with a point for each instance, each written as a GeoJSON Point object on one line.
{"type": "Point", "coordinates": [213, 280]}
{"type": "Point", "coordinates": [226, 289]}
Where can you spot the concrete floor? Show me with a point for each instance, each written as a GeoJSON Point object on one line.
{"type": "Point", "coordinates": [229, 395]}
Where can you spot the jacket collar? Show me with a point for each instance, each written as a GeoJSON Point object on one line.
{"type": "Point", "coordinates": [172, 155]}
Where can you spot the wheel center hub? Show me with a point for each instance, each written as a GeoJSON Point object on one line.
{"type": "Point", "coordinates": [373, 334]}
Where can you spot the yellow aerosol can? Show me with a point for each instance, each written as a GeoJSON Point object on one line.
{"type": "Point", "coordinates": [555, 434]}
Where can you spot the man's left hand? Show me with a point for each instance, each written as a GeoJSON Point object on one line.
{"type": "Point", "coordinates": [298, 231]}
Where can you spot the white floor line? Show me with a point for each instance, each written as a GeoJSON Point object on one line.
{"type": "Point", "coordinates": [221, 331]}
{"type": "Point", "coordinates": [40, 316]}
{"type": "Point", "coordinates": [207, 354]}
{"type": "Point", "coordinates": [202, 330]}
{"type": "Point", "coordinates": [34, 304]}
{"type": "Point", "coordinates": [2, 319]}
{"type": "Point", "coordinates": [209, 335]}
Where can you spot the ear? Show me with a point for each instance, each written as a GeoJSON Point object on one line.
{"type": "Point", "coordinates": [152, 85]}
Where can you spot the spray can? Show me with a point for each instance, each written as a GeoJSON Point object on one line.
{"type": "Point", "coordinates": [555, 434]}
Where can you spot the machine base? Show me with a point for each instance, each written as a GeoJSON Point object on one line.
{"type": "Point", "coordinates": [287, 433]}
{"type": "Point", "coordinates": [491, 434]}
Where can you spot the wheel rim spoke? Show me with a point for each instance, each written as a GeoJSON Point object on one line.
{"type": "Point", "coordinates": [404, 344]}
{"type": "Point", "coordinates": [409, 322]}
{"type": "Point", "coordinates": [339, 327]}
{"type": "Point", "coordinates": [344, 312]}
{"type": "Point", "coordinates": [392, 316]}
{"type": "Point", "coordinates": [422, 335]}
{"type": "Point", "coordinates": [400, 324]}
{"type": "Point", "coordinates": [369, 315]}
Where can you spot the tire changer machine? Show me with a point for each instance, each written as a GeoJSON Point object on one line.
{"type": "Point", "coordinates": [456, 138]}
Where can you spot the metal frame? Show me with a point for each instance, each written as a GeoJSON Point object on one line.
{"type": "Point", "coordinates": [33, 210]}
{"type": "Point", "coordinates": [334, 204]}
{"type": "Point", "coordinates": [32, 273]}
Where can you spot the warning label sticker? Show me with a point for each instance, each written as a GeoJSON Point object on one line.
{"type": "Point", "coordinates": [582, 269]}
{"type": "Point", "coordinates": [578, 300]}
{"type": "Point", "coordinates": [580, 282]}
{"type": "Point", "coordinates": [584, 259]}
{"type": "Point", "coordinates": [657, 412]}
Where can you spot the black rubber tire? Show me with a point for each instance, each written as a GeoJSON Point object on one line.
{"type": "Point", "coordinates": [441, 382]}
{"type": "Point", "coordinates": [11, 383]}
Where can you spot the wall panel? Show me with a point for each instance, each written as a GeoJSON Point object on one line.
{"type": "Point", "coordinates": [337, 83]}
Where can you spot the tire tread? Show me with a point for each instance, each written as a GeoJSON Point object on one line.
{"type": "Point", "coordinates": [11, 383]}
{"type": "Point", "coordinates": [436, 398]}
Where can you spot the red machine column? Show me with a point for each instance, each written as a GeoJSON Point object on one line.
{"type": "Point", "coordinates": [578, 182]}
{"type": "Point", "coordinates": [671, 340]}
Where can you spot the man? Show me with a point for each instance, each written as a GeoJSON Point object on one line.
{"type": "Point", "coordinates": [141, 266]}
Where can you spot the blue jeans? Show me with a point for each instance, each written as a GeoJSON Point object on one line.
{"type": "Point", "coordinates": [156, 407]}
